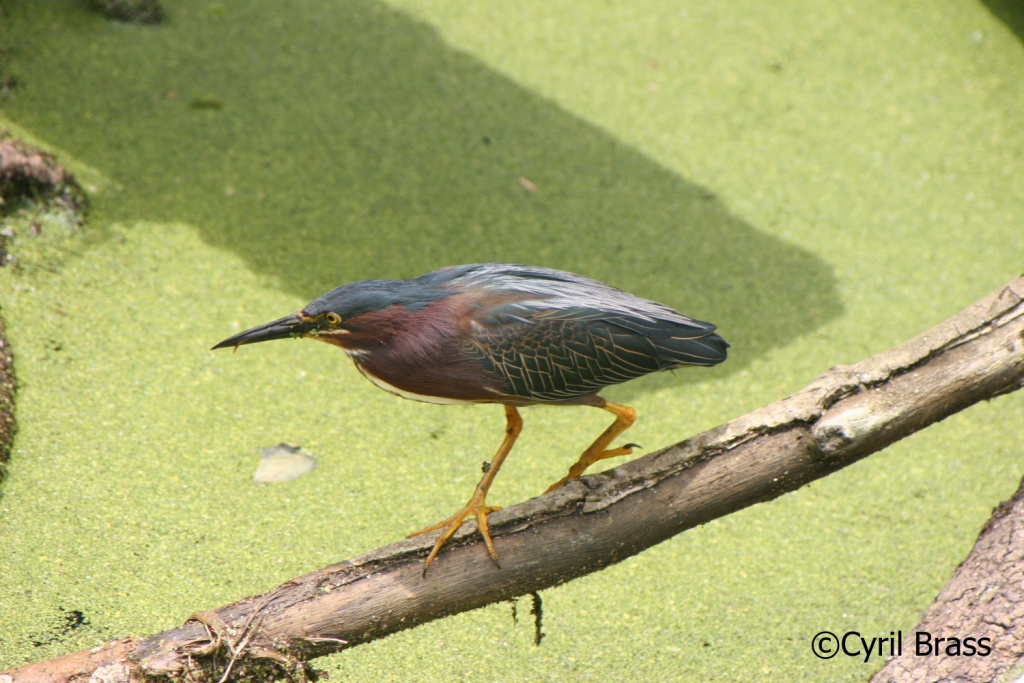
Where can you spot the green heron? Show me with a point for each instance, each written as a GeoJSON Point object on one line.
{"type": "Point", "coordinates": [501, 333]}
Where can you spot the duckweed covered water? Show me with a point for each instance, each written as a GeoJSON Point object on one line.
{"type": "Point", "coordinates": [822, 182]}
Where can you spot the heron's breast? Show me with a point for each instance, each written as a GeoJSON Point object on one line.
{"type": "Point", "coordinates": [423, 360]}
{"type": "Point", "coordinates": [409, 394]}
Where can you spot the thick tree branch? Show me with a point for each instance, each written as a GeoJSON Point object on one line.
{"type": "Point", "coordinates": [980, 610]}
{"type": "Point", "coordinates": [843, 416]}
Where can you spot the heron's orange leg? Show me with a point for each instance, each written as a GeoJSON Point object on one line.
{"type": "Point", "coordinates": [475, 506]}
{"type": "Point", "coordinates": [624, 417]}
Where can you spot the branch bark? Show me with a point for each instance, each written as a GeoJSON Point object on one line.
{"type": "Point", "coordinates": [843, 416]}
{"type": "Point", "coordinates": [984, 601]}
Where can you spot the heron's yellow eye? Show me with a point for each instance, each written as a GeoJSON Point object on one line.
{"type": "Point", "coordinates": [333, 318]}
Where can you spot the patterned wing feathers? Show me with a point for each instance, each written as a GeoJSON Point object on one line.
{"type": "Point", "coordinates": [553, 359]}
{"type": "Point", "coordinates": [551, 336]}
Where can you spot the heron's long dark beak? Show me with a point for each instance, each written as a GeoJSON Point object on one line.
{"type": "Point", "coordinates": [289, 326]}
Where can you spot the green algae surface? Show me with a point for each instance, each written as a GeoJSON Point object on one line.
{"type": "Point", "coordinates": [823, 182]}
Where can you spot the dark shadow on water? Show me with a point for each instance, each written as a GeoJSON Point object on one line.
{"type": "Point", "coordinates": [1010, 12]}
{"type": "Point", "coordinates": [344, 142]}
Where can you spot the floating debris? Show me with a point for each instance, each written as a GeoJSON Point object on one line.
{"type": "Point", "coordinates": [205, 102]}
{"type": "Point", "coordinates": [283, 462]}
{"type": "Point", "coordinates": [526, 184]}
{"type": "Point", "coordinates": [131, 11]}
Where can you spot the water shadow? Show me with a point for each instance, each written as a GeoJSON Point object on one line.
{"type": "Point", "coordinates": [330, 142]}
{"type": "Point", "coordinates": [1010, 12]}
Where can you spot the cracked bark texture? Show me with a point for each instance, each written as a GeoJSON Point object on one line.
{"type": "Point", "coordinates": [984, 599]}
{"type": "Point", "coordinates": [843, 416]}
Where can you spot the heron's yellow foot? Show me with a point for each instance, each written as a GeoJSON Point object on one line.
{"type": "Point", "coordinates": [624, 417]}
{"type": "Point", "coordinates": [475, 507]}
{"type": "Point", "coordinates": [584, 462]}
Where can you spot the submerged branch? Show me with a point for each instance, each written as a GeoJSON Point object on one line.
{"type": "Point", "coordinates": [7, 389]}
